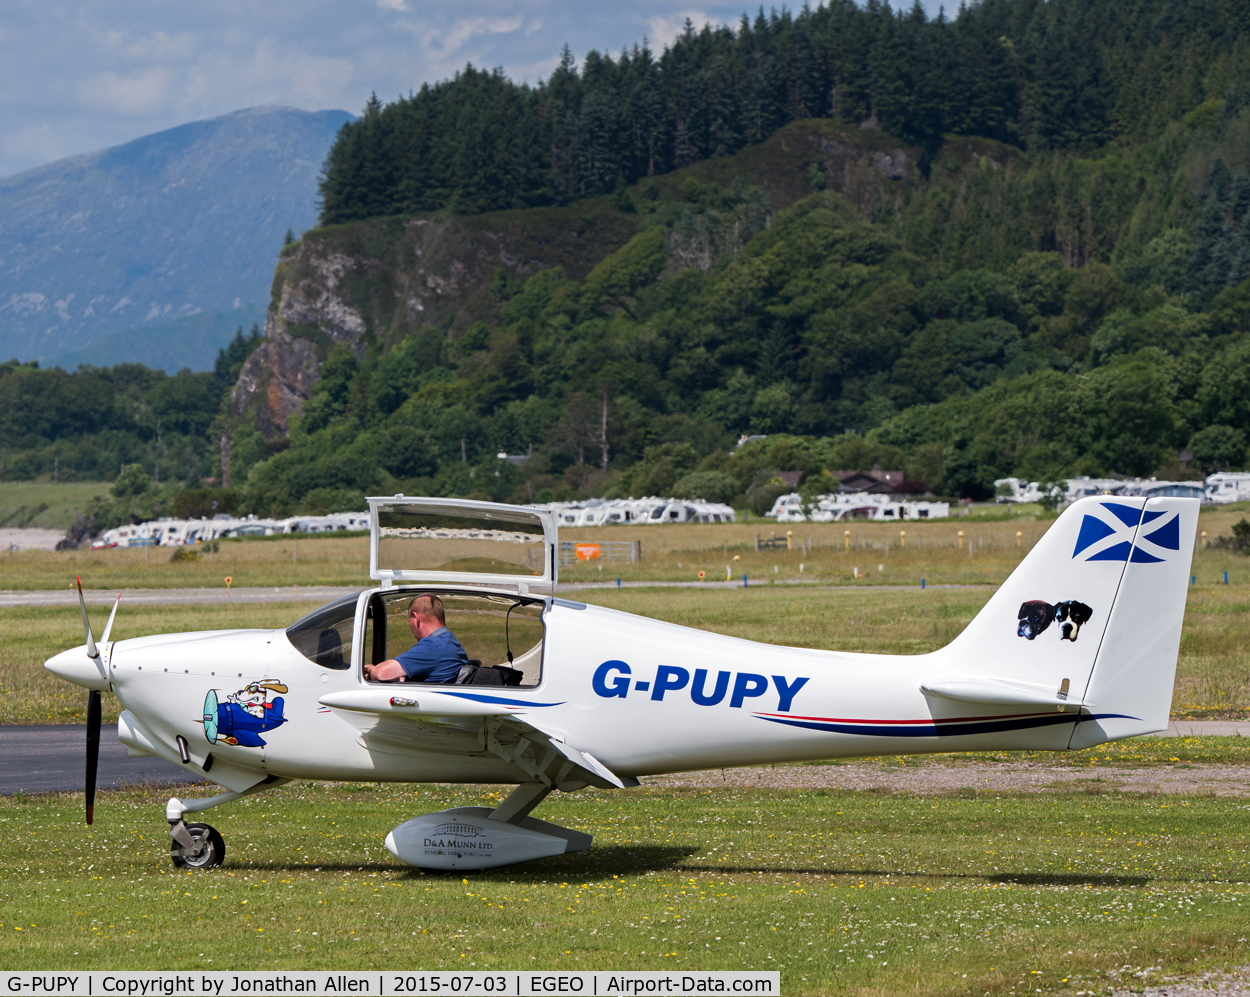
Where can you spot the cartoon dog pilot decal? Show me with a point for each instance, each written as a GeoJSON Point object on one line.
{"type": "Point", "coordinates": [1037, 614]}
{"type": "Point", "coordinates": [244, 715]}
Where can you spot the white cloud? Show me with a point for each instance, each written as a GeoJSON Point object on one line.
{"type": "Point", "coordinates": [140, 93]}
{"type": "Point", "coordinates": [663, 29]}
{"type": "Point", "coordinates": [37, 143]}
{"type": "Point", "coordinates": [271, 73]}
{"type": "Point", "coordinates": [392, 5]}
{"type": "Point", "coordinates": [27, 303]}
{"type": "Point", "coordinates": [159, 46]}
{"type": "Point", "coordinates": [462, 31]}
{"type": "Point", "coordinates": [534, 71]}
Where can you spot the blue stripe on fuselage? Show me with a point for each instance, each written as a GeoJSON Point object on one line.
{"type": "Point", "coordinates": [478, 698]}
{"type": "Point", "coordinates": [946, 729]}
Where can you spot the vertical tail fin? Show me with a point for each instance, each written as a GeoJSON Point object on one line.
{"type": "Point", "coordinates": [1130, 690]}
{"type": "Point", "coordinates": [1090, 619]}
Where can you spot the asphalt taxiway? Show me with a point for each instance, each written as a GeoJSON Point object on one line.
{"type": "Point", "coordinates": [52, 757]}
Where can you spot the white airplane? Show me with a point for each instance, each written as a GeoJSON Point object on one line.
{"type": "Point", "coordinates": [1076, 648]}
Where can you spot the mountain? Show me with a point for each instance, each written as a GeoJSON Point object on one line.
{"type": "Point", "coordinates": [183, 221]}
{"type": "Point", "coordinates": [191, 341]}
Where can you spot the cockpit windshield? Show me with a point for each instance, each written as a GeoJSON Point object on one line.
{"type": "Point", "coordinates": [324, 636]}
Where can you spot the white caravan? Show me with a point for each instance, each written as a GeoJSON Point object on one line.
{"type": "Point", "coordinates": [1228, 486]}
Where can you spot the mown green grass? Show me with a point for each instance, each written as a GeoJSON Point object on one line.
{"type": "Point", "coordinates": [873, 554]}
{"type": "Point", "coordinates": [45, 504]}
{"type": "Point", "coordinates": [862, 894]}
{"type": "Point", "coordinates": [1136, 752]}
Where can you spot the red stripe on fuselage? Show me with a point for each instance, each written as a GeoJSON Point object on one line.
{"type": "Point", "coordinates": [900, 723]}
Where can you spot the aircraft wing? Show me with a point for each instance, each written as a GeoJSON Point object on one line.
{"type": "Point", "coordinates": [420, 720]}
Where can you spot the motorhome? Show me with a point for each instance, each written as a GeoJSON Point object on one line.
{"type": "Point", "coordinates": [855, 505]}
{"type": "Point", "coordinates": [1228, 486]}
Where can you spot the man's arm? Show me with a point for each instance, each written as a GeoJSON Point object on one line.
{"type": "Point", "coordinates": [389, 670]}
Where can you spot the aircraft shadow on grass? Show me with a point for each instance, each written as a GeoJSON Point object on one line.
{"type": "Point", "coordinates": [597, 862]}
{"type": "Point", "coordinates": [1020, 879]}
{"type": "Point", "coordinates": [624, 859]}
{"type": "Point", "coordinates": [1064, 879]}
{"type": "Point", "coordinates": [618, 859]}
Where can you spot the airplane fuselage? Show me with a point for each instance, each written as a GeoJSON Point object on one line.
{"type": "Point", "coordinates": [641, 695]}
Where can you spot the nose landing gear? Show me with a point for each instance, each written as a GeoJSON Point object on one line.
{"type": "Point", "coordinates": [199, 846]}
{"type": "Point", "coordinates": [196, 846]}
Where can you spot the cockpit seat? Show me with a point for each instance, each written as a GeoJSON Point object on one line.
{"type": "Point", "coordinates": [475, 673]}
{"type": "Point", "coordinates": [330, 649]}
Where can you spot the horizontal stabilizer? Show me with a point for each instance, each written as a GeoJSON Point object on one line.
{"type": "Point", "coordinates": [999, 692]}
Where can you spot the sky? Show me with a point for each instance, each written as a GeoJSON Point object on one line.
{"type": "Point", "coordinates": [81, 76]}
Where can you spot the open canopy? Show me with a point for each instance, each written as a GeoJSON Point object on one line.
{"type": "Point", "coordinates": [460, 540]}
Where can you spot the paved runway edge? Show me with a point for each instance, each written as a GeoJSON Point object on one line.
{"type": "Point", "coordinates": [52, 758]}
{"type": "Point", "coordinates": [176, 597]}
{"type": "Point", "coordinates": [324, 593]}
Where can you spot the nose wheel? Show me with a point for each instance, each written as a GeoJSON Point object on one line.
{"type": "Point", "coordinates": [196, 846]}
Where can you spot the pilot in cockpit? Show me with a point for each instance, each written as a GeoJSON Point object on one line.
{"type": "Point", "coordinates": [436, 657]}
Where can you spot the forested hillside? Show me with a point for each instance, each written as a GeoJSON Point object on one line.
{"type": "Point", "coordinates": [1016, 242]}
{"type": "Point", "coordinates": [88, 424]}
{"type": "Point", "coordinates": [1063, 74]}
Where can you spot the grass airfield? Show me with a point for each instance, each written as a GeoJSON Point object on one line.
{"type": "Point", "coordinates": [45, 504]}
{"type": "Point", "coordinates": [864, 893]}
{"type": "Point", "coordinates": [841, 892]}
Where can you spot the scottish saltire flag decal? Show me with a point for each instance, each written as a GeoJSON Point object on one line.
{"type": "Point", "coordinates": [1110, 537]}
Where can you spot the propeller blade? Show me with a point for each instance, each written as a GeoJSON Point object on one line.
{"type": "Point", "coordinates": [108, 627]}
{"type": "Point", "coordinates": [92, 652]}
{"type": "Point", "coordinates": [93, 749]}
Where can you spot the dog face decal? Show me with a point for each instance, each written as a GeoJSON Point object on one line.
{"type": "Point", "coordinates": [1072, 616]}
{"type": "Point", "coordinates": [1038, 614]}
{"type": "Point", "coordinates": [1035, 616]}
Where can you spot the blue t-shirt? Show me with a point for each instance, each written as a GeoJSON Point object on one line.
{"type": "Point", "coordinates": [436, 657]}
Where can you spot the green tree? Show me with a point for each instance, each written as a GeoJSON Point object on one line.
{"type": "Point", "coordinates": [1217, 448]}
{"type": "Point", "coordinates": [711, 486]}
{"type": "Point", "coordinates": [333, 389]}
{"type": "Point", "coordinates": [130, 483]}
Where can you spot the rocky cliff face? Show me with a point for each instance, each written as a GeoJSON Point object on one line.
{"type": "Point", "coordinates": [376, 282]}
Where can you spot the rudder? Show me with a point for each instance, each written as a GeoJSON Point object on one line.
{"type": "Point", "coordinates": [1130, 688]}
